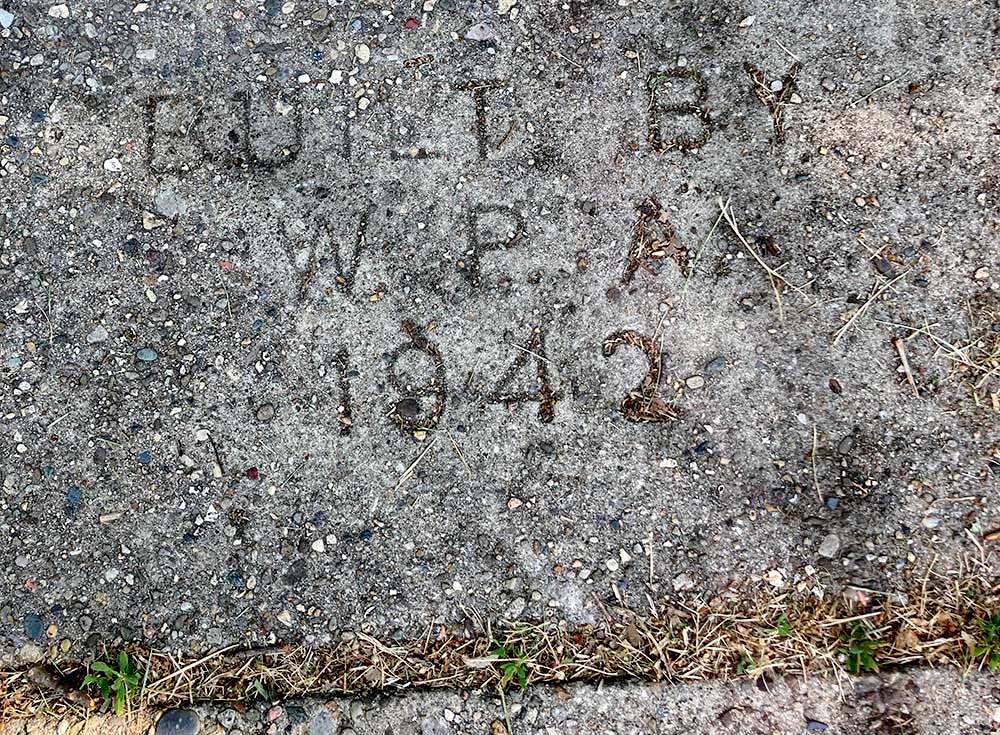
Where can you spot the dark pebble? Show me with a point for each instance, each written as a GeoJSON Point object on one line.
{"type": "Point", "coordinates": [178, 722]}
{"type": "Point", "coordinates": [74, 496]}
{"type": "Point", "coordinates": [144, 458]}
{"type": "Point", "coordinates": [33, 627]}
{"type": "Point", "coordinates": [408, 408]}
{"type": "Point", "coordinates": [816, 725]}
{"type": "Point", "coordinates": [846, 444]}
{"type": "Point", "coordinates": [884, 267]}
{"type": "Point", "coordinates": [296, 571]}
{"type": "Point", "coordinates": [832, 501]}
{"type": "Point", "coordinates": [715, 365]}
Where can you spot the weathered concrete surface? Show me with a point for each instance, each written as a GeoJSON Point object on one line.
{"type": "Point", "coordinates": [932, 702]}
{"type": "Point", "coordinates": [216, 217]}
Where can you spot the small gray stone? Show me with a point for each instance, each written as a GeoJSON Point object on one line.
{"type": "Point", "coordinates": [695, 382]}
{"type": "Point", "coordinates": [266, 412]}
{"type": "Point", "coordinates": [146, 354]}
{"type": "Point", "coordinates": [228, 718]}
{"type": "Point", "coordinates": [683, 582]}
{"type": "Point", "coordinates": [480, 32]}
{"type": "Point", "coordinates": [828, 84]}
{"type": "Point", "coordinates": [830, 546]}
{"type": "Point", "coordinates": [715, 365]}
{"type": "Point", "coordinates": [846, 444]}
{"type": "Point", "coordinates": [6, 18]}
{"type": "Point", "coordinates": [178, 722]}
{"type": "Point", "coordinates": [323, 723]}
{"type": "Point", "coordinates": [98, 335]}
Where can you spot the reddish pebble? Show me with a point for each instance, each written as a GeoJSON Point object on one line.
{"type": "Point", "coordinates": [253, 474]}
{"type": "Point", "coordinates": [411, 23]}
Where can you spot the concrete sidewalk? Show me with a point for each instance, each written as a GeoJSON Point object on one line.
{"type": "Point", "coordinates": [921, 701]}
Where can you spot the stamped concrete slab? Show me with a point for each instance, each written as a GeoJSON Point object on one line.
{"type": "Point", "coordinates": [325, 316]}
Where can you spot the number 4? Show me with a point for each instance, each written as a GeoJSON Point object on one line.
{"type": "Point", "coordinates": [545, 395]}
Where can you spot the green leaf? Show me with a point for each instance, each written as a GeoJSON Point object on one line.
{"type": "Point", "coordinates": [122, 662]}
{"type": "Point", "coordinates": [261, 690]}
{"type": "Point", "coordinates": [105, 688]}
{"type": "Point", "coordinates": [522, 677]}
{"type": "Point", "coordinates": [119, 702]}
{"type": "Point", "coordinates": [102, 668]}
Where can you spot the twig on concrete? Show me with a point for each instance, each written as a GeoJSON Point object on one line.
{"type": "Point", "coordinates": [877, 89]}
{"type": "Point", "coordinates": [408, 472]}
{"type": "Point", "coordinates": [864, 307]}
{"type": "Point", "coordinates": [819, 495]}
{"type": "Point", "coordinates": [776, 278]}
{"type": "Point", "coordinates": [901, 351]}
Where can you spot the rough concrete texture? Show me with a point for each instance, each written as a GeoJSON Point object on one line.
{"type": "Point", "coordinates": [931, 702]}
{"type": "Point", "coordinates": [216, 217]}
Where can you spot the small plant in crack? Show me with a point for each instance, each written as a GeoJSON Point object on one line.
{"type": "Point", "coordinates": [783, 628]}
{"type": "Point", "coordinates": [988, 648]}
{"type": "Point", "coordinates": [745, 664]}
{"type": "Point", "coordinates": [858, 649]}
{"type": "Point", "coordinates": [116, 681]}
{"type": "Point", "coordinates": [513, 666]}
